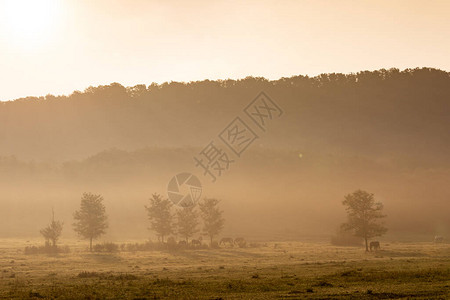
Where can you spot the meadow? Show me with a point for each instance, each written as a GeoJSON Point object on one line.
{"type": "Point", "coordinates": [284, 270]}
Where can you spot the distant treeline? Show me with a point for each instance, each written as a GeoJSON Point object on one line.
{"type": "Point", "coordinates": [382, 113]}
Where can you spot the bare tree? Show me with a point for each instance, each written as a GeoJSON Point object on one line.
{"type": "Point", "coordinates": [187, 222]}
{"type": "Point", "coordinates": [91, 220]}
{"type": "Point", "coordinates": [53, 231]}
{"type": "Point", "coordinates": [212, 217]}
{"type": "Point", "coordinates": [363, 215]}
{"type": "Point", "coordinates": [160, 215]}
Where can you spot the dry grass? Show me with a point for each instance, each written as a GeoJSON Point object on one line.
{"type": "Point", "coordinates": [285, 270]}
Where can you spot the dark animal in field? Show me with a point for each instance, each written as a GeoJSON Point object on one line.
{"type": "Point", "coordinates": [226, 241]}
{"type": "Point", "coordinates": [196, 243]}
{"type": "Point", "coordinates": [375, 245]}
{"type": "Point", "coordinates": [182, 243]}
{"type": "Point", "coordinates": [214, 245]}
{"type": "Point", "coordinates": [438, 239]}
{"type": "Point", "coordinates": [240, 242]}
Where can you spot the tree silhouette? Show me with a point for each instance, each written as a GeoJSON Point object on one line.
{"type": "Point", "coordinates": [160, 216]}
{"type": "Point", "coordinates": [53, 231]}
{"type": "Point", "coordinates": [91, 220]}
{"type": "Point", "coordinates": [363, 215]}
{"type": "Point", "coordinates": [212, 217]}
{"type": "Point", "coordinates": [187, 222]}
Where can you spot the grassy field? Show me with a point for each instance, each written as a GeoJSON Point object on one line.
{"type": "Point", "coordinates": [286, 270]}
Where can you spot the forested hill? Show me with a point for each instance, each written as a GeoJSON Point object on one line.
{"type": "Point", "coordinates": [386, 132]}
{"type": "Point", "coordinates": [388, 114]}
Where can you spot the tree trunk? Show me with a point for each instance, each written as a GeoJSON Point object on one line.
{"type": "Point", "coordinates": [90, 244]}
{"type": "Point", "coordinates": [367, 247]}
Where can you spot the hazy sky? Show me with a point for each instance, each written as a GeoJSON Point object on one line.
{"type": "Point", "coordinates": [59, 46]}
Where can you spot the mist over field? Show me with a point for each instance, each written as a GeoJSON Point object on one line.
{"type": "Point", "coordinates": [224, 149]}
{"type": "Point", "coordinates": [384, 131]}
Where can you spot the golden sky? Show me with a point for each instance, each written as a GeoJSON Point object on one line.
{"type": "Point", "coordinates": [50, 46]}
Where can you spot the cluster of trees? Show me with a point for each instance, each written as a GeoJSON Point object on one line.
{"type": "Point", "coordinates": [185, 221]}
{"type": "Point", "coordinates": [91, 221]}
{"type": "Point", "coordinates": [364, 215]}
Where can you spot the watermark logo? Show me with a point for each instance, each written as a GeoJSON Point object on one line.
{"type": "Point", "coordinates": [237, 136]}
{"type": "Point", "coordinates": [184, 189]}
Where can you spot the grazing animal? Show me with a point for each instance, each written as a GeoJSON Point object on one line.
{"type": "Point", "coordinates": [240, 242]}
{"type": "Point", "coordinates": [226, 241]}
{"type": "Point", "coordinates": [196, 243]}
{"type": "Point", "coordinates": [182, 243]}
{"type": "Point", "coordinates": [375, 245]}
{"type": "Point", "coordinates": [438, 239]}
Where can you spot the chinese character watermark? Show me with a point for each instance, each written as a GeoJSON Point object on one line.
{"type": "Point", "coordinates": [213, 161]}
{"type": "Point", "coordinates": [185, 189]}
{"type": "Point", "coordinates": [237, 136]}
{"type": "Point", "coordinates": [262, 110]}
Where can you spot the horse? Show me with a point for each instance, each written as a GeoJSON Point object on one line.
{"type": "Point", "coordinates": [196, 243]}
{"type": "Point", "coordinates": [226, 241]}
{"type": "Point", "coordinates": [438, 239]}
{"type": "Point", "coordinates": [375, 245]}
{"type": "Point", "coordinates": [240, 242]}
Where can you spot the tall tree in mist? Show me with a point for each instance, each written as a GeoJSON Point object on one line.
{"type": "Point", "coordinates": [91, 220]}
{"type": "Point", "coordinates": [160, 215]}
{"type": "Point", "coordinates": [364, 215]}
{"type": "Point", "coordinates": [212, 217]}
{"type": "Point", "coordinates": [53, 231]}
{"type": "Point", "coordinates": [187, 222]}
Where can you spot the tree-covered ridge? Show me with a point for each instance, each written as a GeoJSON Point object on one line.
{"type": "Point", "coordinates": [382, 113]}
{"type": "Point", "coordinates": [434, 78]}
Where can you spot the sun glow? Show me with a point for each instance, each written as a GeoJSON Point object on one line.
{"type": "Point", "coordinates": [29, 24]}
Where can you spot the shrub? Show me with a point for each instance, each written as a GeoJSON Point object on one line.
{"type": "Point", "coordinates": [171, 245]}
{"type": "Point", "coordinates": [147, 246]}
{"type": "Point", "coordinates": [86, 274]}
{"type": "Point", "coordinates": [106, 247]}
{"type": "Point", "coordinates": [107, 275]}
{"type": "Point", "coordinates": [46, 249]}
